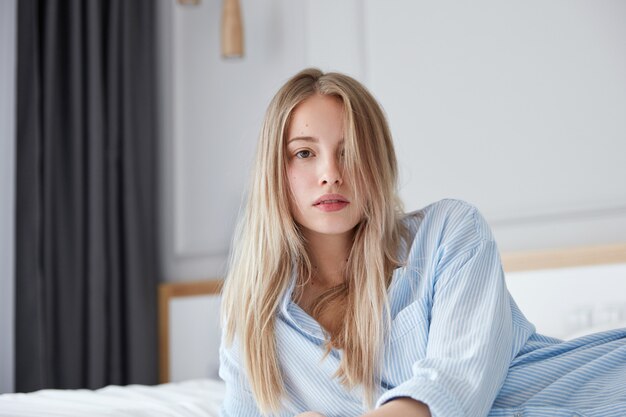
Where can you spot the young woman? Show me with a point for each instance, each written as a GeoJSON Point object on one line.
{"type": "Point", "coordinates": [338, 304]}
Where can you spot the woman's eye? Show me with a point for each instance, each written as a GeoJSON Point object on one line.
{"type": "Point", "coordinates": [303, 154]}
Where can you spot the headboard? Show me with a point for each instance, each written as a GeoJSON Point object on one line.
{"type": "Point", "coordinates": [563, 292]}
{"type": "Point", "coordinates": [570, 292]}
{"type": "Point", "coordinates": [564, 258]}
{"type": "Point", "coordinates": [200, 301]}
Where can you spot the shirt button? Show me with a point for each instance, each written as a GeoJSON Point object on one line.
{"type": "Point", "coordinates": [517, 415]}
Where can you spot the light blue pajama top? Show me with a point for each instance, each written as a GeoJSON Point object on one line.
{"type": "Point", "coordinates": [458, 341]}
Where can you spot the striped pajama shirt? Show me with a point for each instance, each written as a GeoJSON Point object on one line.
{"type": "Point", "coordinates": [457, 341]}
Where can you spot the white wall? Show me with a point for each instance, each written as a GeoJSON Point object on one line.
{"type": "Point", "coordinates": [213, 113]}
{"type": "Point", "coordinates": [7, 191]}
{"type": "Point", "coordinates": [516, 107]}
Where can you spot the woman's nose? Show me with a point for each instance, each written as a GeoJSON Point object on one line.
{"type": "Point", "coordinates": [332, 172]}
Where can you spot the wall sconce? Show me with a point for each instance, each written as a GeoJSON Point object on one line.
{"type": "Point", "coordinates": [232, 27]}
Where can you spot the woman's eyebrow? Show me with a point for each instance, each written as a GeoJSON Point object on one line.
{"type": "Point", "coordinates": [303, 138]}
{"type": "Point", "coordinates": [308, 139]}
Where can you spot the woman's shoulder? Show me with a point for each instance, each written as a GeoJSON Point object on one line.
{"type": "Point", "coordinates": [446, 205]}
{"type": "Point", "coordinates": [448, 222]}
{"type": "Point", "coordinates": [448, 212]}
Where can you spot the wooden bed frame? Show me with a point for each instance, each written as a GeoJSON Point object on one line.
{"type": "Point", "coordinates": [167, 291]}
{"type": "Point", "coordinates": [564, 258]}
{"type": "Point", "coordinates": [515, 261]}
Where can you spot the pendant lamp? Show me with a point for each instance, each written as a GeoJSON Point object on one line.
{"type": "Point", "coordinates": [232, 30]}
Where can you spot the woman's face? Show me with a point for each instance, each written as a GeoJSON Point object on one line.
{"type": "Point", "coordinates": [322, 195]}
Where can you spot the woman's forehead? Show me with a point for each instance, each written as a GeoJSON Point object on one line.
{"type": "Point", "coordinates": [316, 118]}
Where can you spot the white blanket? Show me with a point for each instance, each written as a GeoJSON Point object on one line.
{"type": "Point", "coordinates": [195, 398]}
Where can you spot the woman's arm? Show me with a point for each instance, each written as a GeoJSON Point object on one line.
{"type": "Point", "coordinates": [238, 401]}
{"type": "Point", "coordinates": [402, 406]}
{"type": "Point", "coordinates": [470, 337]}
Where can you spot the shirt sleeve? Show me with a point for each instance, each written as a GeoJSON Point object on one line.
{"type": "Point", "coordinates": [471, 332]}
{"type": "Point", "coordinates": [238, 400]}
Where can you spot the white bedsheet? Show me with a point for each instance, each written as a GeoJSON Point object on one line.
{"type": "Point", "coordinates": [194, 398]}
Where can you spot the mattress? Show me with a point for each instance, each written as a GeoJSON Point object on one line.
{"type": "Point", "coordinates": [194, 398]}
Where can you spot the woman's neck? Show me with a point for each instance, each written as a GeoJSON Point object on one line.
{"type": "Point", "coordinates": [329, 256]}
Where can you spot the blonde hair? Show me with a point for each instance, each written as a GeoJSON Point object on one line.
{"type": "Point", "coordinates": [269, 245]}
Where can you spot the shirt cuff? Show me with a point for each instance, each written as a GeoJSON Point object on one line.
{"type": "Point", "coordinates": [425, 390]}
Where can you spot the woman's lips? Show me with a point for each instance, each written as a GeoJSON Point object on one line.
{"type": "Point", "coordinates": [331, 205]}
{"type": "Point", "coordinates": [331, 202]}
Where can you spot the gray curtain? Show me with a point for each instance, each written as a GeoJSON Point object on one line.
{"type": "Point", "coordinates": [86, 219]}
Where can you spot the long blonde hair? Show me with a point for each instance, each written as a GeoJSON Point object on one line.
{"type": "Point", "coordinates": [269, 245]}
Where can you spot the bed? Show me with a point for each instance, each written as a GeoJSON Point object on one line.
{"type": "Point", "coordinates": [193, 398]}
{"type": "Point", "coordinates": [566, 293]}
